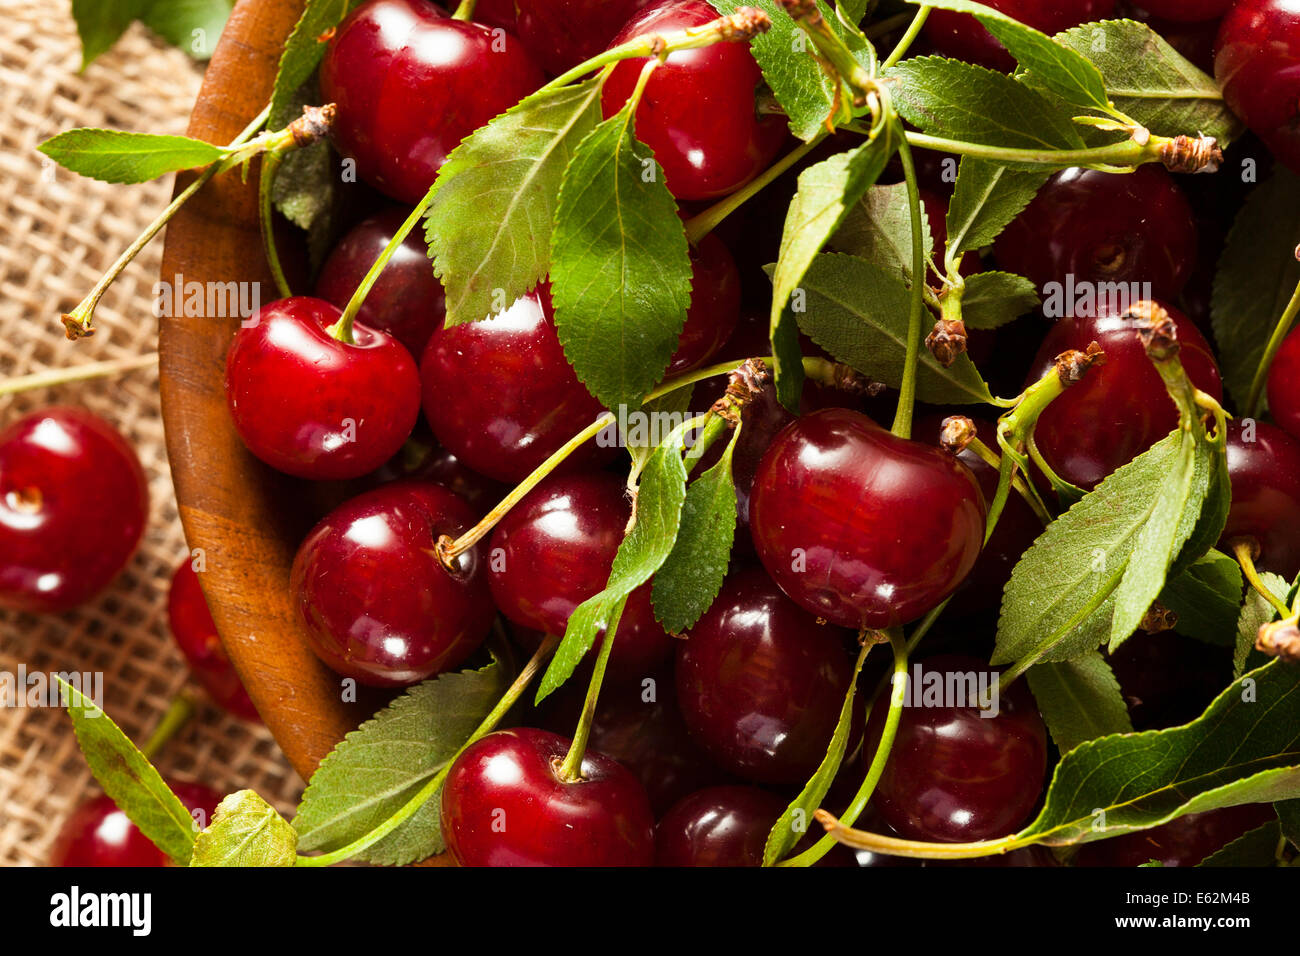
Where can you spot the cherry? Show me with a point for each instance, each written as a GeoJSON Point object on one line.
{"type": "Point", "coordinates": [956, 775]}
{"type": "Point", "coordinates": [555, 549]}
{"type": "Point", "coordinates": [99, 834]}
{"type": "Point", "coordinates": [376, 603]}
{"type": "Point", "coordinates": [1185, 841]}
{"type": "Point", "coordinates": [563, 33]}
{"type": "Point", "coordinates": [1120, 408]}
{"type": "Point", "coordinates": [406, 301]}
{"type": "Point", "coordinates": [860, 527]}
{"type": "Point", "coordinates": [1264, 465]}
{"type": "Point", "coordinates": [1187, 11]}
{"type": "Point", "coordinates": [960, 36]}
{"type": "Point", "coordinates": [720, 826]}
{"type": "Point", "coordinates": [715, 306]}
{"type": "Point", "coordinates": [73, 504]}
{"type": "Point", "coordinates": [312, 406]}
{"type": "Point", "coordinates": [1168, 679]}
{"type": "Point", "coordinates": [497, 13]}
{"type": "Point", "coordinates": [410, 83]}
{"type": "Point", "coordinates": [1284, 385]}
{"type": "Point", "coordinates": [196, 635]}
{"type": "Point", "coordinates": [1257, 65]}
{"type": "Point", "coordinates": [760, 682]}
{"type": "Point", "coordinates": [500, 395]}
{"type": "Point", "coordinates": [424, 459]}
{"type": "Point", "coordinates": [698, 112]}
{"type": "Point", "coordinates": [505, 804]}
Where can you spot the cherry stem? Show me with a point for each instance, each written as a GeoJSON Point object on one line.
{"type": "Point", "coordinates": [905, 42]}
{"type": "Point", "coordinates": [887, 26]}
{"type": "Point", "coordinates": [1023, 488]}
{"type": "Point", "coordinates": [408, 809]}
{"type": "Point", "coordinates": [1255, 401]}
{"type": "Point", "coordinates": [571, 769]}
{"type": "Point", "coordinates": [178, 714]}
{"type": "Point", "coordinates": [1127, 153]}
{"type": "Point", "coordinates": [1244, 551]}
{"type": "Point", "coordinates": [837, 831]}
{"type": "Point", "coordinates": [834, 51]}
{"type": "Point", "coordinates": [465, 11]}
{"type": "Point", "coordinates": [265, 209]}
{"type": "Point", "coordinates": [907, 392]}
{"type": "Point", "coordinates": [76, 373]}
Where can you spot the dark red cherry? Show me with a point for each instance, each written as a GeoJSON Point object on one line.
{"type": "Point", "coordinates": [860, 527]}
{"type": "Point", "coordinates": [99, 834]}
{"type": "Point", "coordinates": [563, 33]}
{"type": "Point", "coordinates": [1264, 465]}
{"type": "Point", "coordinates": [1086, 228]}
{"type": "Point", "coordinates": [1185, 841]}
{"type": "Point", "coordinates": [761, 682]}
{"type": "Point", "coordinates": [1120, 408]}
{"type": "Point", "coordinates": [73, 504]}
{"type": "Point", "coordinates": [422, 458]}
{"type": "Point", "coordinates": [698, 112]}
{"type": "Point", "coordinates": [960, 36]}
{"type": "Point", "coordinates": [406, 301]}
{"type": "Point", "coordinates": [715, 306]}
{"type": "Point", "coordinates": [1257, 65]}
{"type": "Point", "coordinates": [1284, 385]}
{"type": "Point", "coordinates": [496, 13]}
{"type": "Point", "coordinates": [555, 549]}
{"type": "Point", "coordinates": [969, 758]}
{"type": "Point", "coordinates": [410, 83]}
{"type": "Point", "coordinates": [312, 406]}
{"type": "Point", "coordinates": [720, 826]}
{"type": "Point", "coordinates": [1187, 11]}
{"type": "Point", "coordinates": [505, 804]}
{"type": "Point", "coordinates": [376, 603]}
{"type": "Point", "coordinates": [196, 636]}
{"type": "Point", "coordinates": [1167, 679]}
{"type": "Point", "coordinates": [500, 395]}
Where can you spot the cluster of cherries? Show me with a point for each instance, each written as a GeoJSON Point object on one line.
{"type": "Point", "coordinates": [700, 739]}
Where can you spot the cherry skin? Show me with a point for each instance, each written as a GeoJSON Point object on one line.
{"type": "Point", "coordinates": [505, 804]}
{"type": "Point", "coordinates": [1167, 679]}
{"type": "Point", "coordinates": [955, 775]}
{"type": "Point", "coordinates": [1185, 841]}
{"type": "Point", "coordinates": [563, 33]}
{"type": "Point", "coordinates": [960, 36]}
{"type": "Point", "coordinates": [1120, 408]}
{"type": "Point", "coordinates": [1265, 474]}
{"type": "Point", "coordinates": [1284, 385]}
{"type": "Point", "coordinates": [720, 826]}
{"type": "Point", "coordinates": [422, 458]}
{"type": "Point", "coordinates": [73, 504]}
{"type": "Point", "coordinates": [1257, 65]}
{"type": "Point", "coordinates": [410, 83]}
{"type": "Point", "coordinates": [196, 635]}
{"type": "Point", "coordinates": [500, 395]}
{"type": "Point", "coordinates": [1187, 11]}
{"type": "Point", "coordinates": [1103, 228]}
{"type": "Point", "coordinates": [99, 834]}
{"type": "Point", "coordinates": [760, 682]}
{"type": "Point", "coordinates": [497, 13]}
{"type": "Point", "coordinates": [312, 406]}
{"type": "Point", "coordinates": [376, 603]}
{"type": "Point", "coordinates": [406, 301]}
{"type": "Point", "coordinates": [698, 111]}
{"type": "Point", "coordinates": [715, 306]}
{"type": "Point", "coordinates": [860, 527]}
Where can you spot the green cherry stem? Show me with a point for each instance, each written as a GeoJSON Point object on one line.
{"type": "Point", "coordinates": [838, 831]}
{"type": "Point", "coordinates": [178, 714]}
{"type": "Point", "coordinates": [907, 392]}
{"type": "Point", "coordinates": [1127, 153]}
{"type": "Point", "coordinates": [1244, 551]}
{"type": "Point", "coordinates": [76, 373]}
{"type": "Point", "coordinates": [834, 51]}
{"type": "Point", "coordinates": [571, 769]}
{"type": "Point", "coordinates": [1255, 401]}
{"type": "Point", "coordinates": [465, 11]}
{"type": "Point", "coordinates": [905, 43]}
{"type": "Point", "coordinates": [265, 214]}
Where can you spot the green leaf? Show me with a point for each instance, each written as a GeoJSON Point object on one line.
{"type": "Point", "coordinates": [101, 22]}
{"type": "Point", "coordinates": [878, 228]}
{"type": "Point", "coordinates": [128, 777]}
{"type": "Point", "coordinates": [1288, 815]}
{"type": "Point", "coordinates": [1150, 81]}
{"type": "Point", "coordinates": [306, 187]}
{"type": "Point", "coordinates": [1255, 613]}
{"type": "Point", "coordinates": [620, 265]}
{"type": "Point", "coordinates": [1245, 748]}
{"type": "Point", "coordinates": [858, 313]}
{"type": "Point", "coordinates": [640, 442]}
{"type": "Point", "coordinates": [1206, 598]}
{"type": "Point", "coordinates": [116, 156]}
{"type": "Point", "coordinates": [246, 831]}
{"type": "Point", "coordinates": [381, 765]}
{"type": "Point", "coordinates": [1257, 847]}
{"type": "Point", "coordinates": [489, 224]}
{"type": "Point", "coordinates": [302, 53]}
{"type": "Point", "coordinates": [992, 299]}
{"type": "Point", "coordinates": [985, 199]}
{"type": "Point", "coordinates": [1257, 276]}
{"type": "Point", "coordinates": [1079, 699]}
{"type": "Point", "coordinates": [691, 577]}
{"type": "Point", "coordinates": [193, 25]}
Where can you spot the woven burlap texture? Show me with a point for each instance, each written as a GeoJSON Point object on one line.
{"type": "Point", "coordinates": [58, 232]}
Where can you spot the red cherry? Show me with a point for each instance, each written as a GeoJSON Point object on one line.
{"type": "Point", "coordinates": [1284, 385]}
{"type": "Point", "coordinates": [1185, 841]}
{"type": "Point", "coordinates": [563, 33]}
{"type": "Point", "coordinates": [377, 604]}
{"type": "Point", "coordinates": [99, 834]}
{"type": "Point", "coordinates": [423, 459]}
{"type": "Point", "coordinates": [410, 83]}
{"type": "Point", "coordinates": [721, 826]}
{"type": "Point", "coordinates": [1187, 11]}
{"type": "Point", "coordinates": [860, 527]}
{"type": "Point", "coordinates": [312, 406]}
{"type": "Point", "coordinates": [73, 504]}
{"type": "Point", "coordinates": [1257, 65]}
{"type": "Point", "coordinates": [1120, 408]}
{"type": "Point", "coordinates": [496, 13]}
{"type": "Point", "coordinates": [698, 111]}
{"type": "Point", "coordinates": [1265, 473]}
{"type": "Point", "coordinates": [406, 301]}
{"type": "Point", "coordinates": [500, 395]}
{"type": "Point", "coordinates": [1168, 679]}
{"type": "Point", "coordinates": [715, 306]}
{"type": "Point", "coordinates": [196, 635]}
{"type": "Point", "coordinates": [504, 804]}
{"type": "Point", "coordinates": [959, 771]}
{"type": "Point", "coordinates": [960, 36]}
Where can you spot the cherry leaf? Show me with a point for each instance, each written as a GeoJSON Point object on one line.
{"type": "Point", "coordinates": [193, 25]}
{"type": "Point", "coordinates": [246, 831]}
{"type": "Point", "coordinates": [302, 54]}
{"type": "Point", "coordinates": [992, 299]}
{"type": "Point", "coordinates": [117, 156]}
{"type": "Point", "coordinates": [1255, 613]}
{"type": "Point", "coordinates": [878, 228]}
{"type": "Point", "coordinates": [1206, 598]}
{"type": "Point", "coordinates": [101, 22]}
{"type": "Point", "coordinates": [1257, 847]}
{"type": "Point", "coordinates": [1288, 815]}
{"type": "Point", "coordinates": [1079, 699]}
{"type": "Point", "coordinates": [986, 198]}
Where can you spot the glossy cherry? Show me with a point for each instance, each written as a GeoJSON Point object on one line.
{"type": "Point", "coordinates": [1085, 228]}
{"type": "Point", "coordinates": [960, 36]}
{"type": "Point", "coordinates": [505, 804]}
{"type": "Point", "coordinates": [406, 301]}
{"type": "Point", "coordinates": [563, 33]}
{"type": "Point", "coordinates": [410, 83]}
{"type": "Point", "coordinates": [312, 406]}
{"type": "Point", "coordinates": [720, 826]}
{"type": "Point", "coordinates": [73, 504]}
{"type": "Point", "coordinates": [375, 602]}
{"type": "Point", "coordinates": [424, 459]}
{"type": "Point", "coordinates": [1120, 408]}
{"type": "Point", "coordinates": [761, 682]}
{"type": "Point", "coordinates": [500, 395]}
{"type": "Point", "coordinates": [99, 834]}
{"type": "Point", "coordinates": [1257, 65]}
{"type": "Point", "coordinates": [698, 112]}
{"type": "Point", "coordinates": [860, 527]}
{"type": "Point", "coordinates": [196, 635]}
{"type": "Point", "coordinates": [962, 768]}
{"type": "Point", "coordinates": [1187, 11]}
{"type": "Point", "coordinates": [1264, 465]}
{"type": "Point", "coordinates": [1284, 385]}
{"type": "Point", "coordinates": [497, 13]}
{"type": "Point", "coordinates": [1185, 841]}
{"type": "Point", "coordinates": [715, 306]}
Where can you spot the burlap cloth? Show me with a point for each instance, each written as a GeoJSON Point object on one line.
{"type": "Point", "coordinates": [58, 232]}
